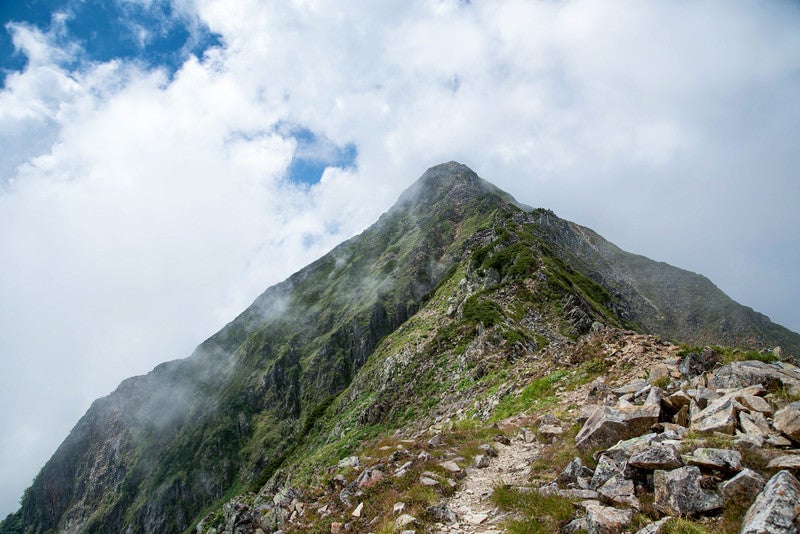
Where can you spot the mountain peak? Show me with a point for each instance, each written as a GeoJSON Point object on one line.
{"type": "Point", "coordinates": [452, 181]}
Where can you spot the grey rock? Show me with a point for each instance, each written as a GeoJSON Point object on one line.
{"type": "Point", "coordinates": [772, 376]}
{"type": "Point", "coordinates": [606, 468]}
{"type": "Point", "coordinates": [719, 416]}
{"type": "Point", "coordinates": [694, 364]}
{"type": "Point", "coordinates": [775, 510]}
{"type": "Point", "coordinates": [619, 490]}
{"type": "Point", "coordinates": [605, 519]}
{"type": "Point", "coordinates": [678, 492]}
{"type": "Point", "coordinates": [787, 420]}
{"type": "Point", "coordinates": [657, 457]}
{"type": "Point", "coordinates": [654, 528]}
{"type": "Point", "coordinates": [609, 425]}
{"type": "Point", "coordinates": [787, 461]}
{"type": "Point", "coordinates": [480, 461]}
{"type": "Point", "coordinates": [679, 398]}
{"type": "Point", "coordinates": [755, 403]}
{"type": "Point", "coordinates": [778, 441]}
{"type": "Point", "coordinates": [744, 487]}
{"type": "Point", "coordinates": [721, 459]}
{"type": "Point", "coordinates": [632, 387]}
{"type": "Point", "coordinates": [488, 450]}
{"type": "Point", "coordinates": [755, 426]}
{"type": "Point", "coordinates": [441, 513]}
{"type": "Point", "coordinates": [571, 473]}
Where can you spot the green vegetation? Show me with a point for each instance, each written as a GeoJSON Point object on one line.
{"type": "Point", "coordinates": [540, 513]}
{"type": "Point", "coordinates": [480, 310]}
{"type": "Point", "coordinates": [538, 393]}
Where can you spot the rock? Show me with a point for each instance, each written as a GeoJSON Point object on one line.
{"type": "Point", "coordinates": [659, 373]}
{"type": "Point", "coordinates": [357, 511]}
{"type": "Point", "coordinates": [631, 387]}
{"type": "Point", "coordinates": [550, 431]}
{"type": "Point", "coordinates": [606, 468]}
{"type": "Point", "coordinates": [435, 441]}
{"type": "Point", "coordinates": [605, 519]}
{"type": "Point", "coordinates": [480, 461]}
{"type": "Point", "coordinates": [624, 449]}
{"type": "Point", "coordinates": [694, 364]}
{"type": "Point", "coordinates": [679, 398]}
{"type": "Point", "coordinates": [609, 425]}
{"type": "Point", "coordinates": [748, 441]}
{"type": "Point", "coordinates": [405, 520]}
{"type": "Point", "coordinates": [657, 457]}
{"type": "Point", "coordinates": [424, 456]}
{"type": "Point", "coordinates": [501, 438]}
{"type": "Point", "coordinates": [787, 461]}
{"type": "Point", "coordinates": [570, 474]}
{"type": "Point", "coordinates": [488, 450]}
{"type": "Point", "coordinates": [787, 420]}
{"type": "Point", "coordinates": [682, 416]}
{"type": "Point", "coordinates": [350, 461]}
{"type": "Point", "coordinates": [678, 492]}
{"type": "Point", "coordinates": [655, 528]}
{"type": "Point", "coordinates": [778, 441]}
{"type": "Point", "coordinates": [428, 481]}
{"type": "Point", "coordinates": [654, 396]}
{"type": "Point", "coordinates": [369, 477]}
{"type": "Point", "coordinates": [526, 435]}
{"type": "Point", "coordinates": [772, 376]}
{"type": "Point", "coordinates": [475, 518]}
{"type": "Point", "coordinates": [577, 525]}
{"type": "Point", "coordinates": [398, 507]}
{"type": "Point", "coordinates": [586, 411]}
{"type": "Point", "coordinates": [721, 459]}
{"type": "Point", "coordinates": [719, 416]}
{"type": "Point", "coordinates": [775, 510]}
{"type": "Point", "coordinates": [756, 404]}
{"type": "Point", "coordinates": [619, 490]}
{"type": "Point", "coordinates": [441, 513]}
{"type": "Point", "coordinates": [755, 426]}
{"type": "Point", "coordinates": [744, 487]}
{"type": "Point", "coordinates": [451, 467]}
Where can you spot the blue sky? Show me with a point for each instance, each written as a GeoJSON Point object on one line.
{"type": "Point", "coordinates": [162, 162]}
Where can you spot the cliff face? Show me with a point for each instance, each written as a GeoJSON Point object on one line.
{"type": "Point", "coordinates": [163, 448]}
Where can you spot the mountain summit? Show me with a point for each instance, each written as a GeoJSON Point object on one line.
{"type": "Point", "coordinates": [363, 340]}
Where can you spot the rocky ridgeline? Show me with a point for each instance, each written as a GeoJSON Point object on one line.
{"type": "Point", "coordinates": [689, 441]}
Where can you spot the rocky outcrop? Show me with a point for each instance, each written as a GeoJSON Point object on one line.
{"type": "Point", "coordinates": [776, 509]}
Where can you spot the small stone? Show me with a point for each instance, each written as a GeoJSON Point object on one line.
{"type": "Point", "coordinates": [654, 528]}
{"type": "Point", "coordinates": [405, 520]}
{"type": "Point", "coordinates": [744, 487]}
{"type": "Point", "coordinates": [550, 431]}
{"type": "Point", "coordinates": [398, 507]}
{"type": "Point", "coordinates": [488, 450]}
{"type": "Point", "coordinates": [475, 518]}
{"type": "Point", "coordinates": [501, 438]}
{"type": "Point", "coordinates": [424, 456]}
{"type": "Point", "coordinates": [775, 510]}
{"type": "Point", "coordinates": [435, 441]}
{"type": "Point", "coordinates": [606, 468]}
{"type": "Point", "coordinates": [481, 461]}
{"type": "Point", "coordinates": [350, 461]}
{"type": "Point", "coordinates": [441, 513]}
{"type": "Point", "coordinates": [427, 481]}
{"type": "Point", "coordinates": [357, 511]}
{"type": "Point", "coordinates": [631, 387]}
{"type": "Point", "coordinates": [526, 435]}
{"type": "Point", "coordinates": [619, 490]}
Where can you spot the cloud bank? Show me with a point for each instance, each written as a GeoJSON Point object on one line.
{"type": "Point", "coordinates": [141, 208]}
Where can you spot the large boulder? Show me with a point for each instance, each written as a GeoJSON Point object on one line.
{"type": "Point", "coordinates": [608, 425]}
{"type": "Point", "coordinates": [605, 519]}
{"type": "Point", "coordinates": [719, 416]}
{"type": "Point", "coordinates": [787, 420]}
{"type": "Point", "coordinates": [773, 376]}
{"type": "Point", "coordinates": [744, 487]}
{"type": "Point", "coordinates": [679, 493]}
{"type": "Point", "coordinates": [719, 459]}
{"type": "Point", "coordinates": [776, 510]}
{"type": "Point", "coordinates": [656, 457]}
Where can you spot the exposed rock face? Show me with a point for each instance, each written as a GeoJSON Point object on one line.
{"type": "Point", "coordinates": [776, 510]}
{"type": "Point", "coordinates": [609, 425]}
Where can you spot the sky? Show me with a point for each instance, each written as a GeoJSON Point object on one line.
{"type": "Point", "coordinates": [162, 162]}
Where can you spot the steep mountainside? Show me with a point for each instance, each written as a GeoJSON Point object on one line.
{"type": "Point", "coordinates": [457, 269]}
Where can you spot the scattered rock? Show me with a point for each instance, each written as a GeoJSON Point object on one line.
{"type": "Point", "coordinates": [405, 520]}
{"type": "Point", "coordinates": [654, 528]}
{"type": "Point", "coordinates": [722, 459]}
{"type": "Point", "coordinates": [357, 511]}
{"type": "Point", "coordinates": [349, 461]}
{"type": "Point", "coordinates": [441, 513]}
{"type": "Point", "coordinates": [435, 441]}
{"type": "Point", "coordinates": [694, 364]}
{"type": "Point", "coordinates": [787, 461]}
{"type": "Point", "coordinates": [744, 487]}
{"type": "Point", "coordinates": [481, 461]}
{"type": "Point", "coordinates": [605, 519]}
{"type": "Point", "coordinates": [775, 510]}
{"type": "Point", "coordinates": [718, 416]}
{"type": "Point", "coordinates": [398, 507]}
{"type": "Point", "coordinates": [787, 420]}
{"type": "Point", "coordinates": [488, 450]}
{"type": "Point", "coordinates": [619, 490]}
{"type": "Point", "coordinates": [428, 481]}
{"type": "Point", "coordinates": [609, 425]}
{"type": "Point", "coordinates": [656, 457]}
{"type": "Point", "coordinates": [772, 376]}
{"type": "Point", "coordinates": [678, 492]}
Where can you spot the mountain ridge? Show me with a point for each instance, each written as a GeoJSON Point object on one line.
{"type": "Point", "coordinates": [241, 404]}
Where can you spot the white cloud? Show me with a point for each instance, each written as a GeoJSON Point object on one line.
{"type": "Point", "coordinates": [141, 212]}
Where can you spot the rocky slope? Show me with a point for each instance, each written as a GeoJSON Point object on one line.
{"type": "Point", "coordinates": [432, 306]}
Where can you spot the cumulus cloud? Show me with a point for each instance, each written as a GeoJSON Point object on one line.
{"type": "Point", "coordinates": [140, 210]}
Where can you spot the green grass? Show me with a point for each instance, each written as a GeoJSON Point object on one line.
{"type": "Point", "coordinates": [540, 513]}
{"type": "Point", "coordinates": [683, 526]}
{"type": "Point", "coordinates": [538, 393]}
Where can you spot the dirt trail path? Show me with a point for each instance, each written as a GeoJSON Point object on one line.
{"type": "Point", "coordinates": [476, 512]}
